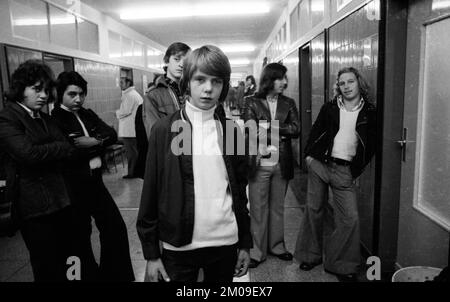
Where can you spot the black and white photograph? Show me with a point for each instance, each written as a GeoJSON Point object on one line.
{"type": "Point", "coordinates": [244, 146]}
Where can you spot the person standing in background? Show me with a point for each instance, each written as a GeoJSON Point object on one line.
{"type": "Point", "coordinates": [340, 145]}
{"type": "Point", "coordinates": [250, 85]}
{"type": "Point", "coordinates": [126, 115]}
{"type": "Point", "coordinates": [165, 97]}
{"type": "Point", "coordinates": [273, 166]}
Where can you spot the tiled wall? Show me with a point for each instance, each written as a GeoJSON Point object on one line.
{"type": "Point", "coordinates": [103, 88]}
{"type": "Point", "coordinates": [354, 42]}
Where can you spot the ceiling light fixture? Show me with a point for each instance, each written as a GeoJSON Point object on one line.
{"type": "Point", "coordinates": [237, 48]}
{"type": "Point", "coordinates": [239, 62]}
{"type": "Point", "coordinates": [195, 10]}
{"type": "Point", "coordinates": [234, 48]}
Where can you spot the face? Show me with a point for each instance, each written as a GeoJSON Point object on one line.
{"type": "Point", "coordinates": [175, 66]}
{"type": "Point", "coordinates": [248, 83]}
{"type": "Point", "coordinates": [348, 84]}
{"type": "Point", "coordinates": [205, 90]}
{"type": "Point", "coordinates": [123, 84]}
{"type": "Point", "coordinates": [35, 96]}
{"type": "Point", "coordinates": [279, 85]}
{"type": "Point", "coordinates": [73, 97]}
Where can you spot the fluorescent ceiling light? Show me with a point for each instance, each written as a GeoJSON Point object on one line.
{"type": "Point", "coordinates": [155, 66]}
{"type": "Point", "coordinates": [239, 62]}
{"type": "Point", "coordinates": [440, 4]}
{"type": "Point", "coordinates": [237, 48]}
{"type": "Point", "coordinates": [153, 53]}
{"type": "Point", "coordinates": [204, 9]}
{"type": "Point", "coordinates": [237, 75]}
{"type": "Point", "coordinates": [54, 21]}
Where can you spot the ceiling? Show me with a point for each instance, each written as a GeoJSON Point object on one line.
{"type": "Point", "coordinates": [197, 31]}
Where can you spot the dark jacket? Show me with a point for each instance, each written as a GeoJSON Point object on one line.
{"type": "Point", "coordinates": [167, 204]}
{"type": "Point", "coordinates": [160, 101]}
{"type": "Point", "coordinates": [33, 160]}
{"type": "Point", "coordinates": [68, 123]}
{"type": "Point", "coordinates": [257, 109]}
{"type": "Point", "coordinates": [141, 142]}
{"type": "Point", "coordinates": [326, 126]}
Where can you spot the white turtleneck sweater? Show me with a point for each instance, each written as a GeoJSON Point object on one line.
{"type": "Point", "coordinates": [214, 220]}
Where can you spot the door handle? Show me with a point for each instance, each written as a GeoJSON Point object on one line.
{"type": "Point", "coordinates": [403, 142]}
{"type": "Point", "coordinates": [308, 110]}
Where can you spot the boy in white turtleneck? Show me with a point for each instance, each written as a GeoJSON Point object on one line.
{"type": "Point", "coordinates": [194, 204]}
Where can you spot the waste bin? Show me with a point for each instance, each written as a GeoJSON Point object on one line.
{"type": "Point", "coordinates": [416, 274]}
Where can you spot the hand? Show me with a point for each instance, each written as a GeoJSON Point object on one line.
{"type": "Point", "coordinates": [242, 263]}
{"type": "Point", "coordinates": [308, 160]}
{"type": "Point", "coordinates": [156, 271]}
{"type": "Point", "coordinates": [85, 142]}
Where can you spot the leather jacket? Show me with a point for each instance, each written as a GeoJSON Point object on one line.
{"type": "Point", "coordinates": [326, 126]}
{"type": "Point", "coordinates": [256, 108]}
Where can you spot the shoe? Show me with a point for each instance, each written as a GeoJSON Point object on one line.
{"type": "Point", "coordinates": [347, 278]}
{"type": "Point", "coordinates": [253, 263]}
{"type": "Point", "coordinates": [128, 177]}
{"type": "Point", "coordinates": [344, 277]}
{"type": "Point", "coordinates": [285, 256]}
{"type": "Point", "coordinates": [307, 266]}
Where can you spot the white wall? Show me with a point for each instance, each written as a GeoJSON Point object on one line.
{"type": "Point", "coordinates": [104, 23]}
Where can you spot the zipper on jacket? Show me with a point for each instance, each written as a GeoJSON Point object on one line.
{"type": "Point", "coordinates": [174, 98]}
{"type": "Point", "coordinates": [319, 138]}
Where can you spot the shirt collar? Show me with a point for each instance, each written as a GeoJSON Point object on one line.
{"type": "Point", "coordinates": [128, 89]}
{"type": "Point", "coordinates": [65, 108]}
{"type": "Point", "coordinates": [33, 114]}
{"type": "Point", "coordinates": [272, 99]}
{"type": "Point", "coordinates": [341, 105]}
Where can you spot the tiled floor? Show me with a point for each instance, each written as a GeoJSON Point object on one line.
{"type": "Point", "coordinates": [15, 266]}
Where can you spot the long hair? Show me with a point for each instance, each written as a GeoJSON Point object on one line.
{"type": "Point", "coordinates": [67, 78]}
{"type": "Point", "coordinates": [270, 73]}
{"type": "Point", "coordinates": [364, 88]}
{"type": "Point", "coordinates": [27, 74]}
{"type": "Point", "coordinates": [210, 60]}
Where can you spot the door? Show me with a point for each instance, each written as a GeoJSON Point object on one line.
{"type": "Point", "coordinates": [305, 99]}
{"type": "Point", "coordinates": [57, 64]}
{"type": "Point", "coordinates": [424, 214]}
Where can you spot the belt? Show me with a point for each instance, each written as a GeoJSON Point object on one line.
{"type": "Point", "coordinates": [339, 161]}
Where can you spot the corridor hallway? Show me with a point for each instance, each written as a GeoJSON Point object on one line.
{"type": "Point", "coordinates": [15, 264]}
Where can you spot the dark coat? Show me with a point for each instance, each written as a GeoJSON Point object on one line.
{"type": "Point", "coordinates": [141, 142]}
{"type": "Point", "coordinates": [326, 126]}
{"type": "Point", "coordinates": [33, 160]}
{"type": "Point", "coordinates": [160, 101]}
{"type": "Point", "coordinates": [68, 123]}
{"type": "Point", "coordinates": [257, 109]}
{"type": "Point", "coordinates": [167, 204]}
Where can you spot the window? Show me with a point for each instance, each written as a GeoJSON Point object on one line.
{"type": "Point", "coordinates": [63, 29]}
{"type": "Point", "coordinates": [29, 20]}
